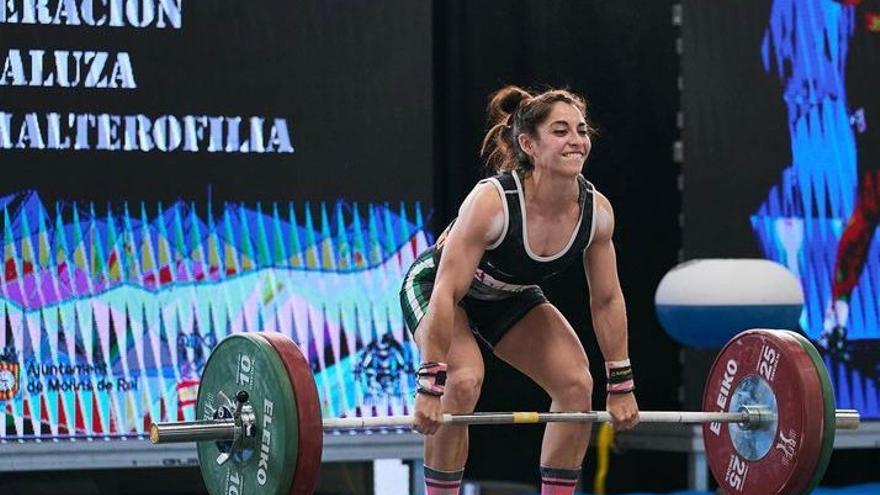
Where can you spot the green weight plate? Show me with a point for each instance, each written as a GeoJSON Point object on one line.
{"type": "Point", "coordinates": [265, 463]}
{"type": "Point", "coordinates": [830, 420]}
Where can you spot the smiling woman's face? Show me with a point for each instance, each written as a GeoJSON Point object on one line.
{"type": "Point", "coordinates": [562, 143]}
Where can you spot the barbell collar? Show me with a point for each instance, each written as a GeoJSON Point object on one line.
{"type": "Point", "coordinates": [218, 430]}
{"type": "Point", "coordinates": [847, 419]}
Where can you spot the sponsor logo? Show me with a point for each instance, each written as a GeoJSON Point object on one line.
{"type": "Point", "coordinates": [265, 441]}
{"type": "Point", "coordinates": [724, 392]}
{"type": "Point", "coordinates": [788, 446]}
{"type": "Point", "coordinates": [10, 377]}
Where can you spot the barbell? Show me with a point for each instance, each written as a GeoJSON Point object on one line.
{"type": "Point", "coordinates": [768, 421]}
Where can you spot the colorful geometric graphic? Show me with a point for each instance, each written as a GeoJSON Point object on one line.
{"type": "Point", "coordinates": [801, 222]}
{"type": "Point", "coordinates": [108, 316]}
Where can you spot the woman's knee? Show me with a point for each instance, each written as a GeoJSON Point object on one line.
{"type": "Point", "coordinates": [574, 390]}
{"type": "Point", "coordinates": [463, 389]}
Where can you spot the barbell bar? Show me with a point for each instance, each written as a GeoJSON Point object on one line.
{"type": "Point", "coordinates": [225, 429]}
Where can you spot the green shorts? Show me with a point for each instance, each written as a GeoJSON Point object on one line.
{"type": "Point", "coordinates": [489, 320]}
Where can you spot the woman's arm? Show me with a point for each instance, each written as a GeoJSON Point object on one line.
{"type": "Point", "coordinates": [480, 222]}
{"type": "Point", "coordinates": [609, 316]}
{"type": "Point", "coordinates": [607, 305]}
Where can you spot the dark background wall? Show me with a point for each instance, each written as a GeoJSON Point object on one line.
{"type": "Point", "coordinates": [353, 81]}
{"type": "Point", "coordinates": [736, 136]}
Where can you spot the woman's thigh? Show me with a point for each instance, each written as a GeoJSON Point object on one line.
{"type": "Point", "coordinates": [544, 346]}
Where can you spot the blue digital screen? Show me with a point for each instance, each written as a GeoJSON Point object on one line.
{"type": "Point", "coordinates": [108, 319]}
{"type": "Point", "coordinates": [792, 155]}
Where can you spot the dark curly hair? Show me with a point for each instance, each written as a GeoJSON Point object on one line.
{"type": "Point", "coordinates": [513, 111]}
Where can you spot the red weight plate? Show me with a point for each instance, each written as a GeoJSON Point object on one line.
{"type": "Point", "coordinates": [308, 406]}
{"type": "Point", "coordinates": [781, 363]}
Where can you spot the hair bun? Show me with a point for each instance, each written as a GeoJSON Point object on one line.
{"type": "Point", "coordinates": [504, 102]}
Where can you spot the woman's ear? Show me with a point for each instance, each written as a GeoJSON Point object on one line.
{"type": "Point", "coordinates": [526, 143]}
